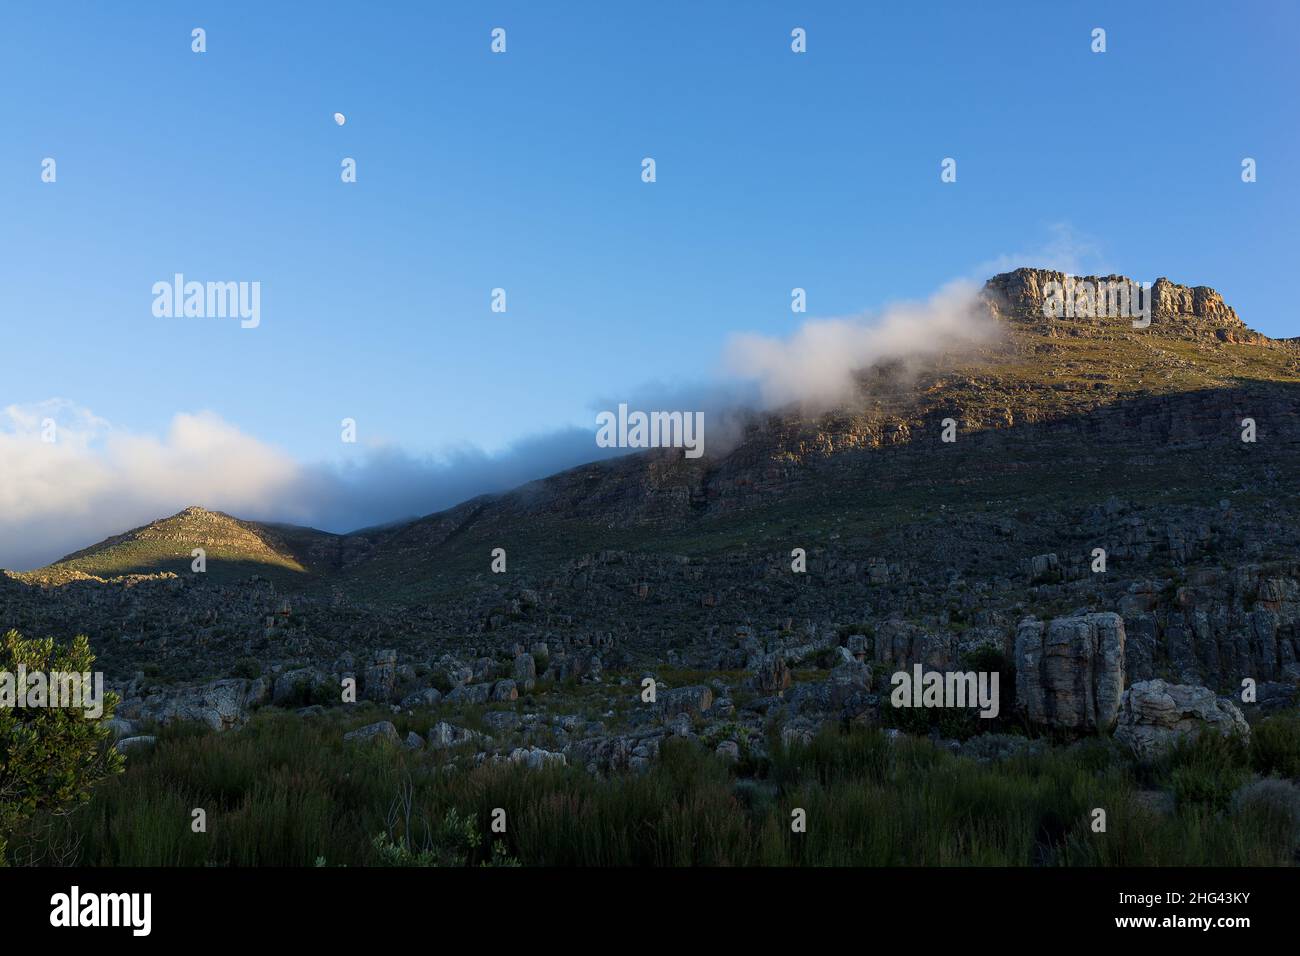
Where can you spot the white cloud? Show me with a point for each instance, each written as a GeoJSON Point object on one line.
{"type": "Point", "coordinates": [814, 366]}
{"type": "Point", "coordinates": [95, 480]}
{"type": "Point", "coordinates": [98, 480]}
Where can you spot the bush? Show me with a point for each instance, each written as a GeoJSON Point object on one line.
{"type": "Point", "coordinates": [1276, 803]}
{"type": "Point", "coordinates": [453, 842]}
{"type": "Point", "coordinates": [1275, 746]}
{"type": "Point", "coordinates": [1206, 770]}
{"type": "Point", "coordinates": [247, 667]}
{"type": "Point", "coordinates": [284, 791]}
{"type": "Point", "coordinates": [49, 756]}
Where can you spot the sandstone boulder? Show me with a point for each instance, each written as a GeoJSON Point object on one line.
{"type": "Point", "coordinates": [771, 674]}
{"type": "Point", "coordinates": [526, 671]}
{"type": "Point", "coordinates": [219, 705]}
{"type": "Point", "coordinates": [470, 694]}
{"type": "Point", "coordinates": [1070, 672]}
{"type": "Point", "coordinates": [536, 758]}
{"type": "Point", "coordinates": [686, 700]}
{"type": "Point", "coordinates": [443, 735]}
{"type": "Point", "coordinates": [1156, 714]}
{"type": "Point", "coordinates": [428, 697]}
{"type": "Point", "coordinates": [374, 733]}
{"type": "Point", "coordinates": [380, 677]}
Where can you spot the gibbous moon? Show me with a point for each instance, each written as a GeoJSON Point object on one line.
{"type": "Point", "coordinates": [340, 118]}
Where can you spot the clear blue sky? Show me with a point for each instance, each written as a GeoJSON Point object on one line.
{"type": "Point", "coordinates": [523, 171]}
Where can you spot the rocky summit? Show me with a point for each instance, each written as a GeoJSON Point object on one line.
{"type": "Point", "coordinates": [1106, 513]}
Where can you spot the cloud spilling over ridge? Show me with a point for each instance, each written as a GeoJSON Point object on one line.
{"type": "Point", "coordinates": [814, 367]}
{"type": "Point", "coordinates": [99, 479]}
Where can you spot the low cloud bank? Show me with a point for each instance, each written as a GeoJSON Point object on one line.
{"type": "Point", "coordinates": [96, 479]}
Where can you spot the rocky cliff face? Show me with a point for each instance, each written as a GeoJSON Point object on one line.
{"type": "Point", "coordinates": [1178, 309]}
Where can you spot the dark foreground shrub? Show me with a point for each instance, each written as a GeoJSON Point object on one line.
{"type": "Point", "coordinates": [1275, 746]}
{"type": "Point", "coordinates": [285, 791]}
{"type": "Point", "coordinates": [50, 756]}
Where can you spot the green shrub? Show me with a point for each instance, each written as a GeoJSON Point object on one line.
{"type": "Point", "coordinates": [1205, 770]}
{"type": "Point", "coordinates": [1275, 746]}
{"type": "Point", "coordinates": [284, 791]}
{"type": "Point", "coordinates": [247, 667]}
{"type": "Point", "coordinates": [1276, 805]}
{"type": "Point", "coordinates": [50, 757]}
{"type": "Point", "coordinates": [455, 841]}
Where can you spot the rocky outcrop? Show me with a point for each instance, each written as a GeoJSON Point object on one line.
{"type": "Point", "coordinates": [1070, 671]}
{"type": "Point", "coordinates": [381, 732]}
{"type": "Point", "coordinates": [771, 674]}
{"type": "Point", "coordinates": [526, 671]}
{"type": "Point", "coordinates": [443, 735]}
{"type": "Point", "coordinates": [900, 644]}
{"type": "Point", "coordinates": [380, 677]}
{"type": "Point", "coordinates": [536, 758]}
{"type": "Point", "coordinates": [685, 700]}
{"type": "Point", "coordinates": [304, 685]}
{"type": "Point", "coordinates": [1156, 714]}
{"type": "Point", "coordinates": [219, 705]}
{"type": "Point", "coordinates": [1025, 292]}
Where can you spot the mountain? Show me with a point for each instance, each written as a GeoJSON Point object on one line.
{"type": "Point", "coordinates": [233, 548]}
{"type": "Point", "coordinates": [1049, 410]}
{"type": "Point", "coordinates": [1071, 435]}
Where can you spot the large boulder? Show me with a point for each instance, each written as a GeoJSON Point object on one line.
{"type": "Point", "coordinates": [443, 735]}
{"type": "Point", "coordinates": [470, 694]}
{"type": "Point", "coordinates": [535, 758]}
{"type": "Point", "coordinates": [119, 728]}
{"type": "Point", "coordinates": [1156, 714]}
{"type": "Point", "coordinates": [219, 705]}
{"type": "Point", "coordinates": [428, 697]}
{"type": "Point", "coordinates": [379, 681]}
{"type": "Point", "coordinates": [526, 671]}
{"type": "Point", "coordinates": [695, 699]}
{"type": "Point", "coordinates": [1070, 671]}
{"type": "Point", "coordinates": [771, 674]}
{"type": "Point", "coordinates": [900, 644]}
{"type": "Point", "coordinates": [383, 731]}
{"type": "Point", "coordinates": [850, 689]}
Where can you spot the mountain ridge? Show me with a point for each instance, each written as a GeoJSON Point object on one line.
{"type": "Point", "coordinates": [1042, 369]}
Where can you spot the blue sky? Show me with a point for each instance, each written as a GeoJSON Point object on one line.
{"type": "Point", "coordinates": [522, 171]}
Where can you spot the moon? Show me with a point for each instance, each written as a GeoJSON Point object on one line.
{"type": "Point", "coordinates": [340, 118]}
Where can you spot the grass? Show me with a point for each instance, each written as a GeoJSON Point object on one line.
{"type": "Point", "coordinates": [287, 792]}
